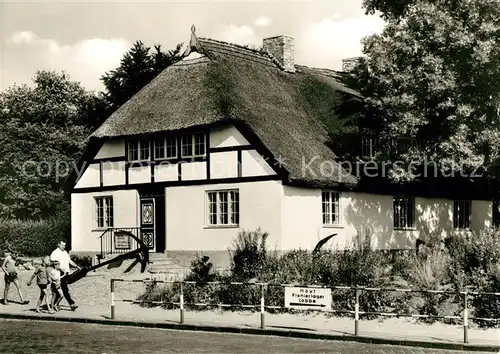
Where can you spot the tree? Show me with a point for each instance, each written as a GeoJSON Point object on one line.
{"type": "Point", "coordinates": [137, 68]}
{"type": "Point", "coordinates": [43, 130]}
{"type": "Point", "coordinates": [431, 80]}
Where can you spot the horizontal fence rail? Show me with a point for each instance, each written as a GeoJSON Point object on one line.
{"type": "Point", "coordinates": [358, 291]}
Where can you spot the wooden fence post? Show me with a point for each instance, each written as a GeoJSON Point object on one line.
{"type": "Point", "coordinates": [466, 319]}
{"type": "Point", "coordinates": [112, 299]}
{"type": "Point", "coordinates": [356, 312]}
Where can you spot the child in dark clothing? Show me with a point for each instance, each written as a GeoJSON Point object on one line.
{"type": "Point", "coordinates": [43, 281]}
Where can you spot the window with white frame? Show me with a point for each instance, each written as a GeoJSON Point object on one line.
{"type": "Point", "coordinates": [223, 208]}
{"type": "Point", "coordinates": [496, 213]}
{"type": "Point", "coordinates": [165, 148]}
{"type": "Point", "coordinates": [404, 212]}
{"type": "Point", "coordinates": [139, 150]}
{"type": "Point", "coordinates": [461, 214]}
{"type": "Point", "coordinates": [193, 145]}
{"type": "Point", "coordinates": [331, 207]}
{"type": "Point", "coordinates": [104, 212]}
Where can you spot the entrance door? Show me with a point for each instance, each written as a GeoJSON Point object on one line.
{"type": "Point", "coordinates": [148, 217]}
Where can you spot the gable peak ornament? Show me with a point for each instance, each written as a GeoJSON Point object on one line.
{"type": "Point", "coordinates": [194, 45]}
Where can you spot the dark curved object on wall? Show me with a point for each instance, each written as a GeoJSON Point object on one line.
{"type": "Point", "coordinates": [322, 242]}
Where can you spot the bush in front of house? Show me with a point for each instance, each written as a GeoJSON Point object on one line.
{"type": "Point", "coordinates": [201, 272]}
{"type": "Point", "coordinates": [465, 263]}
{"type": "Point", "coordinates": [475, 265]}
{"type": "Point", "coordinates": [160, 294]}
{"type": "Point", "coordinates": [30, 238]}
{"type": "Point", "coordinates": [82, 260]}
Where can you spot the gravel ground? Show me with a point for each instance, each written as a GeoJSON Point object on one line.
{"type": "Point", "coordinates": [92, 290]}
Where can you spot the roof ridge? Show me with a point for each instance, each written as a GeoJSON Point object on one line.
{"type": "Point", "coordinates": [261, 52]}
{"type": "Point", "coordinates": [239, 46]}
{"type": "Point", "coordinates": [339, 72]}
{"type": "Point", "coordinates": [267, 55]}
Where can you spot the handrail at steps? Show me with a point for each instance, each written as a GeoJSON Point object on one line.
{"type": "Point", "coordinates": [108, 246]}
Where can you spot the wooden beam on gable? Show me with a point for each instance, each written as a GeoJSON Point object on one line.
{"type": "Point", "coordinates": [207, 150]}
{"type": "Point", "coordinates": [126, 163]}
{"type": "Point", "coordinates": [151, 157]}
{"type": "Point", "coordinates": [259, 146]}
{"type": "Point", "coordinates": [93, 147]}
{"type": "Point", "coordinates": [240, 164]}
{"type": "Point", "coordinates": [229, 180]}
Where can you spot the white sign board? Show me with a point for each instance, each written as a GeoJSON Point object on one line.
{"type": "Point", "coordinates": [308, 298]}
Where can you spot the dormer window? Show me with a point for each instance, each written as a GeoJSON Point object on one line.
{"type": "Point", "coordinates": [193, 145]}
{"type": "Point", "coordinates": [139, 150]}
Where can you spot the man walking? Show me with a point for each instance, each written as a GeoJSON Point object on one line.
{"type": "Point", "coordinates": [60, 254]}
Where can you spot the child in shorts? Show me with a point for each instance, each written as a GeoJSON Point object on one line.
{"type": "Point", "coordinates": [11, 277]}
{"type": "Point", "coordinates": [55, 280]}
{"type": "Point", "coordinates": [42, 280]}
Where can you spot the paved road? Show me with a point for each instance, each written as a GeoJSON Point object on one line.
{"type": "Point", "coordinates": [22, 336]}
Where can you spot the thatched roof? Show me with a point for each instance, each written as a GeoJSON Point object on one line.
{"type": "Point", "coordinates": [286, 111]}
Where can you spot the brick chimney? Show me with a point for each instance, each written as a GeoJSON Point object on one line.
{"type": "Point", "coordinates": [281, 48]}
{"type": "Point", "coordinates": [349, 63]}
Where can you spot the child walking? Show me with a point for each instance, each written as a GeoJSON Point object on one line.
{"type": "Point", "coordinates": [55, 280]}
{"type": "Point", "coordinates": [11, 277]}
{"type": "Point", "coordinates": [42, 280]}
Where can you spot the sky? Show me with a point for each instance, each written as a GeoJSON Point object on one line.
{"type": "Point", "coordinates": [88, 38]}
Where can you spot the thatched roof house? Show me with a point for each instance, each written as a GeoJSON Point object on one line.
{"type": "Point", "coordinates": [286, 111]}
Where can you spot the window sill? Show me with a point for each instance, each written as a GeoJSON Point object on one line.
{"type": "Point", "coordinates": [221, 227]}
{"type": "Point", "coordinates": [405, 229]}
{"type": "Point", "coordinates": [163, 159]}
{"type": "Point", "coordinates": [194, 157]}
{"type": "Point", "coordinates": [333, 226]}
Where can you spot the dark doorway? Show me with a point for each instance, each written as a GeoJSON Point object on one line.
{"type": "Point", "coordinates": [152, 218]}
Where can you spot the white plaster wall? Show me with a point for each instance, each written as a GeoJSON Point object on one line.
{"type": "Point", "coordinates": [226, 136]}
{"type": "Point", "coordinates": [113, 173]}
{"type": "Point", "coordinates": [166, 172]}
{"type": "Point", "coordinates": [223, 164]}
{"type": "Point", "coordinates": [253, 164]}
{"type": "Point", "coordinates": [368, 214]}
{"type": "Point", "coordinates": [193, 171]}
{"type": "Point", "coordinates": [84, 234]}
{"type": "Point", "coordinates": [90, 177]}
{"type": "Point", "coordinates": [140, 174]}
{"type": "Point", "coordinates": [112, 148]}
{"type": "Point", "coordinates": [186, 212]}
